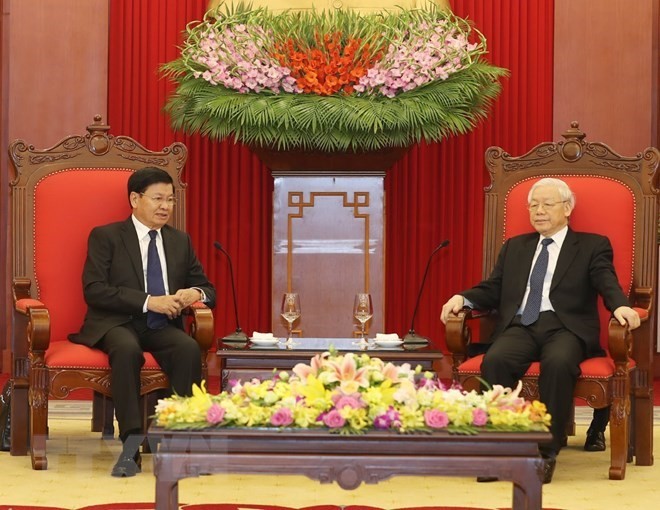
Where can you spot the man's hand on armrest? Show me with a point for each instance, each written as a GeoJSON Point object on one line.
{"type": "Point", "coordinates": [626, 315]}
{"type": "Point", "coordinates": [453, 306]}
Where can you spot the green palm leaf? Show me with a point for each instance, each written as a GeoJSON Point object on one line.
{"type": "Point", "coordinates": [365, 121]}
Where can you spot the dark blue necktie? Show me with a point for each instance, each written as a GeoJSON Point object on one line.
{"type": "Point", "coordinates": [155, 283]}
{"type": "Point", "coordinates": [533, 305]}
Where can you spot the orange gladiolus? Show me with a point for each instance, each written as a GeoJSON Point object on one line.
{"type": "Point", "coordinates": [330, 67]}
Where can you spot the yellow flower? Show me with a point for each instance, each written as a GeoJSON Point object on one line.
{"type": "Point", "coordinates": [305, 417]}
{"type": "Point", "coordinates": [315, 393]}
{"type": "Point", "coordinates": [356, 418]}
{"type": "Point", "coordinates": [382, 395]}
{"type": "Point", "coordinates": [257, 415]}
{"type": "Point", "coordinates": [258, 391]}
{"type": "Point", "coordinates": [410, 419]}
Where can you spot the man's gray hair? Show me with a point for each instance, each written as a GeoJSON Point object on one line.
{"type": "Point", "coordinates": [564, 191]}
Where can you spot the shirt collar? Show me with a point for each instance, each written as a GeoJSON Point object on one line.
{"type": "Point", "coordinates": [558, 237]}
{"type": "Point", "coordinates": [141, 229]}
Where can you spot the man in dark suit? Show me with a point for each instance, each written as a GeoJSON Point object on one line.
{"type": "Point", "coordinates": [545, 287]}
{"type": "Point", "coordinates": [132, 308]}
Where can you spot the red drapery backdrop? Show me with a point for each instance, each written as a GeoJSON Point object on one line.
{"type": "Point", "coordinates": [434, 193]}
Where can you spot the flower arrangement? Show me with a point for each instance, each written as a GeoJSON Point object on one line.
{"type": "Point", "coordinates": [354, 393]}
{"type": "Point", "coordinates": [331, 80]}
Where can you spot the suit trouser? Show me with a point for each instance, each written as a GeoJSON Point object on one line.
{"type": "Point", "coordinates": [176, 352]}
{"type": "Point", "coordinates": [560, 353]}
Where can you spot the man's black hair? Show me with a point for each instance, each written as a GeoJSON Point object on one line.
{"type": "Point", "coordinates": [141, 179]}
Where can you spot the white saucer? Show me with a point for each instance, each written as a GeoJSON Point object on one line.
{"type": "Point", "coordinates": [389, 342]}
{"type": "Point", "coordinates": [264, 341]}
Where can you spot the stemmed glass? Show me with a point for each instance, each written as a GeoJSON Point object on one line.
{"type": "Point", "coordinates": [363, 309]}
{"type": "Point", "coordinates": [290, 311]}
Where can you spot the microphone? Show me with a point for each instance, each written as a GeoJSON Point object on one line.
{"type": "Point", "coordinates": [412, 337]}
{"type": "Point", "coordinates": [238, 335]}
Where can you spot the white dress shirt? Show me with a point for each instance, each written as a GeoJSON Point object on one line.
{"type": "Point", "coordinates": [144, 239]}
{"type": "Point", "coordinates": [553, 255]}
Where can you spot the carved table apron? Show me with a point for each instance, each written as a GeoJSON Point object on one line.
{"type": "Point", "coordinates": [348, 460]}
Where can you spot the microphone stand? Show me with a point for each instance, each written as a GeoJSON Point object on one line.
{"type": "Point", "coordinates": [238, 336]}
{"type": "Point", "coordinates": [412, 337]}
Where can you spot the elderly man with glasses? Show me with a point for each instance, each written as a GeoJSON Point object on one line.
{"type": "Point", "coordinates": [138, 276]}
{"type": "Point", "coordinates": [545, 286]}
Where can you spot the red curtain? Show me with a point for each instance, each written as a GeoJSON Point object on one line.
{"type": "Point", "coordinates": [229, 197]}
{"type": "Point", "coordinates": [434, 193]}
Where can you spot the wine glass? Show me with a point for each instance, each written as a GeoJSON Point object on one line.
{"type": "Point", "coordinates": [363, 309]}
{"type": "Point", "coordinates": [290, 311]}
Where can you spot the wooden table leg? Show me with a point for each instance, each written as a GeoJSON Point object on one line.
{"type": "Point", "coordinates": [527, 486]}
{"type": "Point", "coordinates": [167, 494]}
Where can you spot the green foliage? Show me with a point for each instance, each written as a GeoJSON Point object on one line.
{"type": "Point", "coordinates": [340, 122]}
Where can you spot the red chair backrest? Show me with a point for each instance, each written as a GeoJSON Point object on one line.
{"type": "Point", "coordinates": [67, 205]}
{"type": "Point", "coordinates": [603, 205]}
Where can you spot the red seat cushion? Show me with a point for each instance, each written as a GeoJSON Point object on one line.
{"type": "Point", "coordinates": [592, 368]}
{"type": "Point", "coordinates": [65, 354]}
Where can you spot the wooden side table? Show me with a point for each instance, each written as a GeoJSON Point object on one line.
{"type": "Point", "coordinates": [244, 361]}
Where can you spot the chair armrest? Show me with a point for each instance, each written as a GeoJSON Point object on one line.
{"type": "Point", "coordinates": [619, 341]}
{"type": "Point", "coordinates": [201, 325]}
{"type": "Point", "coordinates": [32, 324]}
{"type": "Point", "coordinates": [21, 288]}
{"type": "Point", "coordinates": [642, 297]}
{"type": "Point", "coordinates": [458, 333]}
{"type": "Point", "coordinates": [620, 338]}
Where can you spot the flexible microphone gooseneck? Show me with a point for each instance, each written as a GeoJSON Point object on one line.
{"type": "Point", "coordinates": [238, 335]}
{"type": "Point", "coordinates": [412, 337]}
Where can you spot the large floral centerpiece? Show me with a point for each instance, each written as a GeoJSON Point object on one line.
{"type": "Point", "coordinates": [332, 80]}
{"type": "Point", "coordinates": [354, 393]}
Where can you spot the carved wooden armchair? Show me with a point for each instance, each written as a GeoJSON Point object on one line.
{"type": "Point", "coordinates": [615, 196]}
{"type": "Point", "coordinates": [58, 195]}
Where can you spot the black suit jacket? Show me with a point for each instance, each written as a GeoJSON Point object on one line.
{"type": "Point", "coordinates": [113, 276]}
{"type": "Point", "coordinates": [584, 270]}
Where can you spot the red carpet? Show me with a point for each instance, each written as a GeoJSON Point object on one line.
{"type": "Point", "coordinates": [220, 506]}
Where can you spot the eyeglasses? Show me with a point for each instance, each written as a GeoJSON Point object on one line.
{"type": "Point", "coordinates": [160, 200]}
{"type": "Point", "coordinates": [546, 205]}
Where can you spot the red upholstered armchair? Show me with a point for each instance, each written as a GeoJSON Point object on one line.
{"type": "Point", "coordinates": [615, 196]}
{"type": "Point", "coordinates": [58, 196]}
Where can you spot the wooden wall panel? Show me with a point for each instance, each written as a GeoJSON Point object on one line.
{"type": "Point", "coordinates": [606, 66]}
{"type": "Point", "coordinates": [58, 75]}
{"type": "Point", "coordinates": [54, 79]}
{"type": "Point", "coordinates": [605, 54]}
{"type": "Point", "coordinates": [5, 272]}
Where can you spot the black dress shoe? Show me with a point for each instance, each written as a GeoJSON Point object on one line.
{"type": "Point", "coordinates": [127, 465]}
{"type": "Point", "coordinates": [549, 469]}
{"type": "Point", "coordinates": [595, 441]}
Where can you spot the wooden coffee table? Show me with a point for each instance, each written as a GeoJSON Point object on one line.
{"type": "Point", "coordinates": [244, 361]}
{"type": "Point", "coordinates": [347, 460]}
